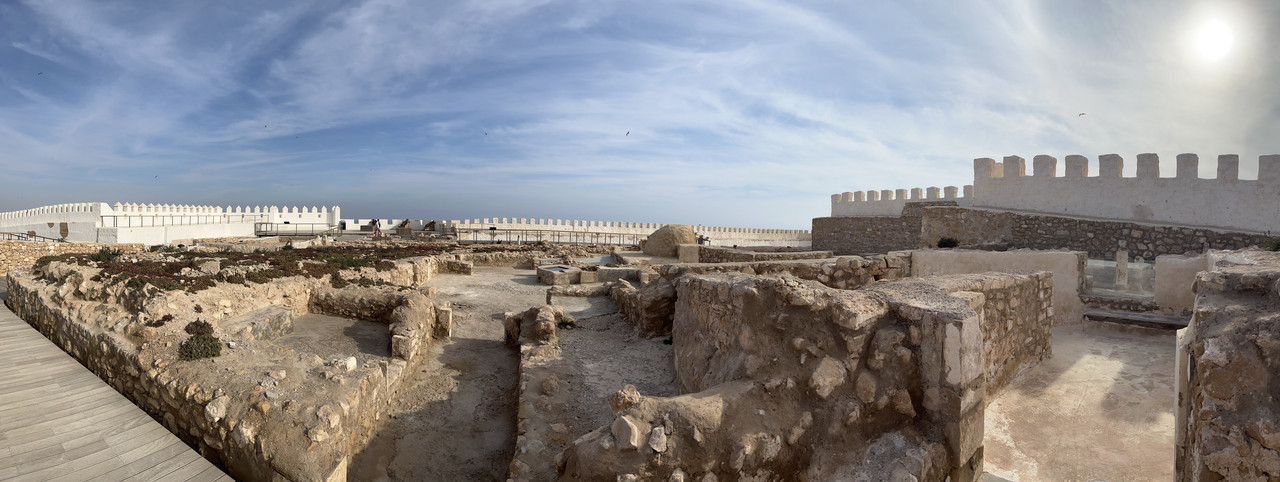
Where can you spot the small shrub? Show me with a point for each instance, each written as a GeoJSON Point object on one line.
{"type": "Point", "coordinates": [44, 261]}
{"type": "Point", "coordinates": [105, 254]}
{"type": "Point", "coordinates": [198, 328]}
{"type": "Point", "coordinates": [200, 346]}
{"type": "Point", "coordinates": [161, 321]}
{"type": "Point", "coordinates": [945, 242]}
{"type": "Point", "coordinates": [336, 281]}
{"type": "Point", "coordinates": [1271, 244]}
{"type": "Point", "coordinates": [347, 261]}
{"type": "Point", "coordinates": [66, 275]}
{"type": "Point", "coordinates": [199, 309]}
{"type": "Point", "coordinates": [384, 266]}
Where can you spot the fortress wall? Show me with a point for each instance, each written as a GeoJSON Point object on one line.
{"type": "Point", "coordinates": [1183, 199]}
{"type": "Point", "coordinates": [719, 236]}
{"type": "Point", "coordinates": [58, 213]}
{"type": "Point", "coordinates": [873, 234]}
{"type": "Point", "coordinates": [892, 202]}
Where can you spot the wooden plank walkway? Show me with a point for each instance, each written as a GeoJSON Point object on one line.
{"type": "Point", "coordinates": [58, 421]}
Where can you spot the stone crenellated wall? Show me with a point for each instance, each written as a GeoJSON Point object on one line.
{"type": "Point", "coordinates": [891, 202]}
{"type": "Point", "coordinates": [1228, 374]}
{"type": "Point", "coordinates": [23, 254]}
{"type": "Point", "coordinates": [873, 234]}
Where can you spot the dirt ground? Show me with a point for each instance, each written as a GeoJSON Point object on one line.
{"type": "Point", "coordinates": [1100, 409]}
{"type": "Point", "coordinates": [455, 418]}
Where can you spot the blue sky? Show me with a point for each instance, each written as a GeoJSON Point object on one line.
{"type": "Point", "coordinates": [745, 114]}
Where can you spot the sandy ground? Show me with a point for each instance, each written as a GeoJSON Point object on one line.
{"type": "Point", "coordinates": [1100, 409]}
{"type": "Point", "coordinates": [455, 420]}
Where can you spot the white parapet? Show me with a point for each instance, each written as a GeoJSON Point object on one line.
{"type": "Point", "coordinates": [891, 202]}
{"type": "Point", "coordinates": [1226, 202]}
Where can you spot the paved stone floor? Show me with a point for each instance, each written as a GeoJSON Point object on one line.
{"type": "Point", "coordinates": [58, 421]}
{"type": "Point", "coordinates": [1100, 409]}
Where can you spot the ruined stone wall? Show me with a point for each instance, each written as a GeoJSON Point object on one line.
{"type": "Point", "coordinates": [1228, 374]}
{"type": "Point", "coordinates": [1099, 238]}
{"type": "Point", "coordinates": [712, 254]}
{"type": "Point", "coordinates": [873, 234]}
{"type": "Point", "coordinates": [650, 307]}
{"type": "Point", "coordinates": [1068, 269]}
{"type": "Point", "coordinates": [791, 379]}
{"type": "Point", "coordinates": [292, 416]}
{"type": "Point", "coordinates": [969, 226]}
{"type": "Point", "coordinates": [23, 254]}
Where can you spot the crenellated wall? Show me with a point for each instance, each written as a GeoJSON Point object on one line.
{"type": "Point", "coordinates": [155, 223]}
{"type": "Point", "coordinates": [719, 236]}
{"type": "Point", "coordinates": [890, 202]}
{"type": "Point", "coordinates": [1184, 199]}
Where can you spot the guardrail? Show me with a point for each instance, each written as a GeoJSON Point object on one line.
{"type": "Point", "coordinates": [547, 235]}
{"type": "Point", "coordinates": [299, 229]}
{"type": "Point", "coordinates": [29, 237]}
{"type": "Point", "coordinates": [146, 221]}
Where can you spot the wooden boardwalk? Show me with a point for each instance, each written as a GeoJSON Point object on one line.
{"type": "Point", "coordinates": [58, 421]}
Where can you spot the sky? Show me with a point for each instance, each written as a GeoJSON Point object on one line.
{"type": "Point", "coordinates": [742, 114]}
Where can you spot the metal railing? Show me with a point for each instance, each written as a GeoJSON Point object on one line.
{"type": "Point", "coordinates": [145, 221]}
{"type": "Point", "coordinates": [547, 235]}
{"type": "Point", "coordinates": [29, 237]}
{"type": "Point", "coordinates": [299, 229]}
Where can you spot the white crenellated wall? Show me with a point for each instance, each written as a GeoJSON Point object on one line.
{"type": "Point", "coordinates": [720, 236]}
{"type": "Point", "coordinates": [1182, 199]}
{"type": "Point", "coordinates": [1224, 202]}
{"type": "Point", "coordinates": [890, 202]}
{"type": "Point", "coordinates": [156, 223]}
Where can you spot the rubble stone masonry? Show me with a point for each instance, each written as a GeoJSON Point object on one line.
{"type": "Point", "coordinates": [23, 254]}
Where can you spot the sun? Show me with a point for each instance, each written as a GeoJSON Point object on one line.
{"type": "Point", "coordinates": [1214, 40]}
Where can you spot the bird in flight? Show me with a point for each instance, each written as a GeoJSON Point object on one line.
{"type": "Point", "coordinates": [39, 73]}
{"type": "Point", "coordinates": [628, 133]}
{"type": "Point", "coordinates": [1081, 114]}
{"type": "Point", "coordinates": [486, 133]}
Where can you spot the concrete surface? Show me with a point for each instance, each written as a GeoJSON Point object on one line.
{"type": "Point", "coordinates": [1101, 408]}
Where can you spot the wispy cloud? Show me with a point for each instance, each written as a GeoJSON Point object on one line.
{"type": "Point", "coordinates": [744, 114]}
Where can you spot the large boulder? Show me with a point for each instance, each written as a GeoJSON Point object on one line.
{"type": "Point", "coordinates": [663, 241]}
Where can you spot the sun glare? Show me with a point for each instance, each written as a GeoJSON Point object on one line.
{"type": "Point", "coordinates": [1214, 40]}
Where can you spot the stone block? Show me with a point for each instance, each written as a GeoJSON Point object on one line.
{"type": "Point", "coordinates": [687, 253]}
{"type": "Point", "coordinates": [558, 274]}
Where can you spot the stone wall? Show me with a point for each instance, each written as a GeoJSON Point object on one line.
{"type": "Point", "coordinates": [1228, 374]}
{"type": "Point", "coordinates": [790, 379]}
{"type": "Point", "coordinates": [1068, 269]}
{"type": "Point", "coordinates": [713, 254]}
{"type": "Point", "coordinates": [650, 307]}
{"type": "Point", "coordinates": [23, 254]}
{"type": "Point", "coordinates": [1099, 238]}
{"type": "Point", "coordinates": [262, 411]}
{"type": "Point", "coordinates": [873, 234]}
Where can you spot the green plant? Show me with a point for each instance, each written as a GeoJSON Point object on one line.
{"type": "Point", "coordinates": [347, 261]}
{"type": "Point", "coordinates": [105, 254]}
{"type": "Point", "coordinates": [161, 321]}
{"type": "Point", "coordinates": [1270, 244]}
{"type": "Point", "coordinates": [44, 261]}
{"type": "Point", "coordinates": [946, 242]}
{"type": "Point", "coordinates": [198, 327]}
{"type": "Point", "coordinates": [200, 346]}
{"type": "Point", "coordinates": [63, 278]}
{"type": "Point", "coordinates": [198, 309]}
{"type": "Point", "coordinates": [336, 281]}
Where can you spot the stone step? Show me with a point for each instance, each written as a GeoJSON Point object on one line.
{"type": "Point", "coordinates": [1149, 320]}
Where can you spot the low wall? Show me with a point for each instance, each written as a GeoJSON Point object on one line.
{"type": "Point", "coordinates": [873, 234]}
{"type": "Point", "coordinates": [1174, 283]}
{"type": "Point", "coordinates": [1228, 375]}
{"type": "Point", "coordinates": [1068, 269]}
{"type": "Point", "coordinates": [23, 254]}
{"type": "Point", "coordinates": [1099, 238]}
{"type": "Point", "coordinates": [651, 307]}
{"type": "Point", "coordinates": [154, 235]}
{"type": "Point", "coordinates": [713, 254]}
{"type": "Point", "coordinates": [262, 411]}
